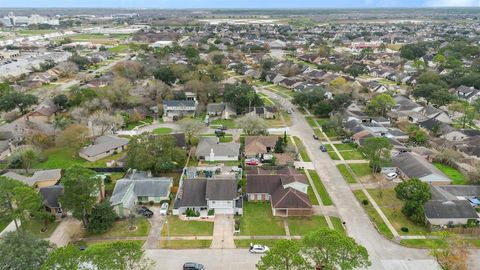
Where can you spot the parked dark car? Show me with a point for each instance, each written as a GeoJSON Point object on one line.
{"type": "Point", "coordinates": [315, 137]}
{"type": "Point", "coordinates": [193, 266]}
{"type": "Point", "coordinates": [144, 211]}
{"type": "Point", "coordinates": [323, 148]}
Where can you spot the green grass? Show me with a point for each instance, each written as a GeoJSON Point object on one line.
{"type": "Point", "coordinates": [122, 48]}
{"type": "Point", "coordinates": [329, 147]}
{"type": "Point", "coordinates": [245, 243]}
{"type": "Point", "coordinates": [301, 149]}
{"type": "Point", "coordinates": [452, 173]}
{"type": "Point", "coordinates": [337, 224]}
{"type": "Point", "coordinates": [421, 243]}
{"type": "Point", "coordinates": [121, 229]}
{"type": "Point", "coordinates": [162, 130]}
{"type": "Point", "coordinates": [322, 192]}
{"type": "Point", "coordinates": [361, 169]}
{"type": "Point", "coordinates": [333, 155]}
{"type": "Point", "coordinates": [312, 197]}
{"type": "Point", "coordinates": [392, 208]}
{"type": "Point", "coordinates": [304, 225]}
{"type": "Point", "coordinates": [346, 174]}
{"type": "Point", "coordinates": [345, 146]}
{"type": "Point", "coordinates": [311, 122]}
{"type": "Point", "coordinates": [185, 244]}
{"type": "Point", "coordinates": [35, 227]}
{"type": "Point", "coordinates": [64, 157]}
{"type": "Point", "coordinates": [374, 216]}
{"type": "Point", "coordinates": [187, 228]}
{"type": "Point", "coordinates": [228, 123]}
{"type": "Point", "coordinates": [4, 221]}
{"type": "Point", "coordinates": [352, 155]}
{"type": "Point", "coordinates": [225, 139]}
{"type": "Point", "coordinates": [257, 219]}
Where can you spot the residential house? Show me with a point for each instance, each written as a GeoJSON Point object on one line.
{"type": "Point", "coordinates": [411, 165]}
{"type": "Point", "coordinates": [50, 197]}
{"type": "Point", "coordinates": [44, 113]}
{"type": "Point", "coordinates": [176, 109]}
{"type": "Point", "coordinates": [467, 93]}
{"type": "Point", "coordinates": [470, 147]}
{"type": "Point", "coordinates": [256, 146]}
{"type": "Point", "coordinates": [224, 110]}
{"type": "Point", "coordinates": [103, 146]}
{"type": "Point", "coordinates": [266, 112]}
{"type": "Point", "coordinates": [286, 190]}
{"type": "Point", "coordinates": [206, 194]}
{"type": "Point", "coordinates": [39, 179]}
{"type": "Point", "coordinates": [139, 187]}
{"type": "Point", "coordinates": [460, 134]}
{"type": "Point", "coordinates": [210, 149]}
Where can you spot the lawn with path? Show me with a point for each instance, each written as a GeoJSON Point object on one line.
{"type": "Point", "coordinates": [304, 225]}
{"type": "Point", "coordinates": [372, 213]}
{"type": "Point", "coordinates": [346, 174]}
{"type": "Point", "coordinates": [301, 149]}
{"type": "Point", "coordinates": [185, 244]}
{"type": "Point", "coordinates": [121, 229]}
{"type": "Point", "coordinates": [361, 169]}
{"type": "Point", "coordinates": [322, 191]}
{"type": "Point", "coordinates": [257, 219]}
{"type": "Point", "coordinates": [228, 123]}
{"type": "Point", "coordinates": [162, 130]}
{"type": "Point", "coordinates": [178, 227]}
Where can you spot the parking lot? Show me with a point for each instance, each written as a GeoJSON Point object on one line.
{"type": "Point", "coordinates": [26, 61]}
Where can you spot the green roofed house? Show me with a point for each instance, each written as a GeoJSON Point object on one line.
{"type": "Point", "coordinates": [139, 187]}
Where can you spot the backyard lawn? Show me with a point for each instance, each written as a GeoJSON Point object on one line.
{"type": "Point", "coordinates": [121, 229]}
{"type": "Point", "coordinates": [179, 227]}
{"type": "Point", "coordinates": [346, 174]}
{"type": "Point", "coordinates": [452, 173]}
{"type": "Point", "coordinates": [374, 216]}
{"type": "Point", "coordinates": [185, 244]}
{"type": "Point", "coordinates": [322, 192]}
{"type": "Point", "coordinates": [301, 149]}
{"type": "Point", "coordinates": [304, 225]}
{"type": "Point", "coordinates": [392, 208]}
{"type": "Point", "coordinates": [63, 157]}
{"type": "Point", "coordinates": [162, 130]}
{"type": "Point", "coordinates": [257, 219]}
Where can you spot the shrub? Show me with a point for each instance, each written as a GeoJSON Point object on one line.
{"type": "Point", "coordinates": [151, 202]}
{"type": "Point", "coordinates": [404, 229]}
{"type": "Point", "coordinates": [211, 212]}
{"type": "Point", "coordinates": [365, 202]}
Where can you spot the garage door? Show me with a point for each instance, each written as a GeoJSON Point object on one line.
{"type": "Point", "coordinates": [225, 211]}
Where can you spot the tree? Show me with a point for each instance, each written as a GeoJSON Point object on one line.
{"type": "Point", "coordinates": [451, 252]}
{"type": "Point", "coordinates": [191, 127]}
{"type": "Point", "coordinates": [381, 104]}
{"type": "Point", "coordinates": [81, 61]}
{"type": "Point", "coordinates": [67, 69]}
{"type": "Point", "coordinates": [104, 122]}
{"type": "Point", "coordinates": [132, 70]}
{"type": "Point", "coordinates": [280, 145]}
{"type": "Point", "coordinates": [417, 135]}
{"type": "Point", "coordinates": [28, 156]}
{"type": "Point", "coordinates": [466, 111]}
{"type": "Point", "coordinates": [284, 255]}
{"type": "Point", "coordinates": [309, 98]}
{"type": "Point", "coordinates": [21, 250]}
{"type": "Point", "coordinates": [73, 136]}
{"type": "Point", "coordinates": [102, 218]}
{"type": "Point", "coordinates": [19, 200]}
{"type": "Point", "coordinates": [242, 95]}
{"type": "Point", "coordinates": [81, 189]}
{"type": "Point", "coordinates": [433, 93]}
{"type": "Point", "coordinates": [165, 74]}
{"type": "Point", "coordinates": [252, 124]}
{"type": "Point", "coordinates": [60, 100]}
{"type": "Point", "coordinates": [154, 153]}
{"type": "Point", "coordinates": [415, 193]}
{"type": "Point", "coordinates": [10, 100]}
{"type": "Point", "coordinates": [377, 151]}
{"type": "Point", "coordinates": [119, 255]}
{"type": "Point", "coordinates": [330, 249]}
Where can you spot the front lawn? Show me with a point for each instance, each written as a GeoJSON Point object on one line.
{"type": "Point", "coordinates": [121, 229]}
{"type": "Point", "coordinates": [392, 208]}
{"type": "Point", "coordinates": [352, 155]}
{"type": "Point", "coordinates": [257, 219]}
{"type": "Point", "coordinates": [312, 197]}
{"type": "Point", "coordinates": [228, 123]}
{"type": "Point", "coordinates": [179, 227]}
{"type": "Point", "coordinates": [345, 146]}
{"type": "Point", "coordinates": [185, 244]}
{"type": "Point", "coordinates": [373, 214]}
{"type": "Point", "coordinates": [162, 130]}
{"type": "Point", "coordinates": [304, 225]}
{"type": "Point", "coordinates": [35, 227]}
{"type": "Point", "coordinates": [361, 169]}
{"type": "Point", "coordinates": [452, 173]}
{"type": "Point", "coordinates": [346, 174]}
{"type": "Point", "coordinates": [301, 149]}
{"type": "Point", "coordinates": [225, 139]}
{"type": "Point", "coordinates": [322, 192]}
{"type": "Point", "coordinates": [337, 224]}
{"type": "Point", "coordinates": [245, 243]}
{"type": "Point", "coordinates": [333, 155]}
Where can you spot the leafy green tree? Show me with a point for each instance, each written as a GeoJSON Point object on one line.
{"type": "Point", "coordinates": [21, 250]}
{"type": "Point", "coordinates": [191, 53]}
{"type": "Point", "coordinates": [11, 100]}
{"type": "Point", "coordinates": [81, 189]}
{"type": "Point", "coordinates": [124, 255]}
{"type": "Point", "coordinates": [381, 104]}
{"type": "Point", "coordinates": [466, 111]}
{"type": "Point", "coordinates": [280, 145]}
{"type": "Point", "coordinates": [433, 93]}
{"type": "Point", "coordinates": [217, 59]}
{"type": "Point", "coordinates": [415, 193]}
{"type": "Point", "coordinates": [19, 200]}
{"type": "Point", "coordinates": [154, 153]}
{"type": "Point", "coordinates": [27, 156]}
{"type": "Point", "coordinates": [165, 74]}
{"type": "Point", "coordinates": [102, 218]}
{"type": "Point", "coordinates": [417, 135]}
{"type": "Point", "coordinates": [60, 100]}
{"type": "Point", "coordinates": [242, 95]}
{"type": "Point", "coordinates": [309, 98]}
{"type": "Point", "coordinates": [329, 249]}
{"type": "Point", "coordinates": [284, 255]}
{"type": "Point", "coordinates": [377, 151]}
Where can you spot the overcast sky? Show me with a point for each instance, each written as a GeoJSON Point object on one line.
{"type": "Point", "coordinates": [238, 3]}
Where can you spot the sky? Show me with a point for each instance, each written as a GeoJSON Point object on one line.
{"type": "Point", "coordinates": [239, 3]}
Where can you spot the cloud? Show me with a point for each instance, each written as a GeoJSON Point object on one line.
{"type": "Point", "coordinates": [453, 3]}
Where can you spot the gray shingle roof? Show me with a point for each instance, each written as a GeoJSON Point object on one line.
{"type": "Point", "coordinates": [415, 166]}
{"type": "Point", "coordinates": [208, 144]}
{"type": "Point", "coordinates": [38, 176]}
{"type": "Point", "coordinates": [50, 195]}
{"type": "Point", "coordinates": [192, 194]}
{"type": "Point", "coordinates": [141, 185]}
{"type": "Point", "coordinates": [103, 144]}
{"type": "Point", "coordinates": [449, 209]}
{"type": "Point", "coordinates": [221, 189]}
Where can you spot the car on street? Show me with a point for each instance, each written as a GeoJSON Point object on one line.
{"type": "Point", "coordinates": [315, 137]}
{"type": "Point", "coordinates": [144, 211]}
{"type": "Point", "coordinates": [193, 266]}
{"type": "Point", "coordinates": [258, 248]}
{"type": "Point", "coordinates": [392, 175]}
{"type": "Point", "coordinates": [323, 148]}
{"type": "Point", "coordinates": [164, 209]}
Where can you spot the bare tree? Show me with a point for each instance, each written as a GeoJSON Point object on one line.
{"type": "Point", "coordinates": [103, 122]}
{"type": "Point", "coordinates": [68, 69]}
{"type": "Point", "coordinates": [191, 127]}
{"type": "Point", "coordinates": [252, 124]}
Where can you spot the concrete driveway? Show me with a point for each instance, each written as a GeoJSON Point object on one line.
{"type": "Point", "coordinates": [223, 232]}
{"type": "Point", "coordinates": [156, 222]}
{"type": "Point", "coordinates": [384, 253]}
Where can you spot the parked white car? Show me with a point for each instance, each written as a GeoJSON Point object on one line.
{"type": "Point", "coordinates": [163, 209]}
{"type": "Point", "coordinates": [392, 175]}
{"type": "Point", "coordinates": [258, 248]}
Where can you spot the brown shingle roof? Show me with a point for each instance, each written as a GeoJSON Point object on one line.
{"type": "Point", "coordinates": [290, 198]}
{"type": "Point", "coordinates": [258, 144]}
{"type": "Point", "coordinates": [263, 183]}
